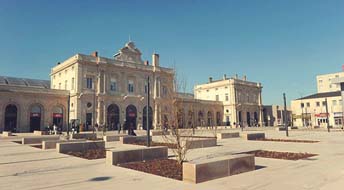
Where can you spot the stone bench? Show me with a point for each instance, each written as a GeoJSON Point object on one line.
{"type": "Point", "coordinates": [110, 138]}
{"type": "Point", "coordinates": [114, 157]}
{"type": "Point", "coordinates": [51, 144]}
{"type": "Point", "coordinates": [84, 136]}
{"type": "Point", "coordinates": [6, 134]}
{"type": "Point", "coordinates": [227, 135]}
{"type": "Point", "coordinates": [209, 169]}
{"type": "Point", "coordinates": [200, 143]}
{"type": "Point", "coordinates": [40, 133]}
{"type": "Point", "coordinates": [133, 139]}
{"type": "Point", "coordinates": [253, 136]}
{"type": "Point", "coordinates": [159, 133]}
{"type": "Point", "coordinates": [65, 147]}
{"type": "Point", "coordinates": [38, 140]}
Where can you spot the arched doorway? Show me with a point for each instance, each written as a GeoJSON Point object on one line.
{"type": "Point", "coordinates": [248, 118]}
{"type": "Point", "coordinates": [35, 118]}
{"type": "Point", "coordinates": [113, 116]}
{"type": "Point", "coordinates": [131, 114]}
{"type": "Point", "coordinates": [190, 119]}
{"type": "Point", "coordinates": [255, 118]}
{"type": "Point", "coordinates": [200, 118]}
{"type": "Point", "coordinates": [218, 118]}
{"type": "Point", "coordinates": [11, 118]}
{"type": "Point", "coordinates": [58, 116]}
{"type": "Point", "coordinates": [144, 117]}
{"type": "Point", "coordinates": [210, 118]}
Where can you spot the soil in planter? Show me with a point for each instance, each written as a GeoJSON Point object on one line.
{"type": "Point", "coordinates": [153, 143]}
{"type": "Point", "coordinates": [161, 167]}
{"type": "Point", "coordinates": [280, 155]}
{"type": "Point", "coordinates": [19, 142]}
{"type": "Point", "coordinates": [287, 140]}
{"type": "Point", "coordinates": [90, 154]}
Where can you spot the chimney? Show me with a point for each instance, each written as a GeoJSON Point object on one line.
{"type": "Point", "coordinates": [224, 77]}
{"type": "Point", "coordinates": [146, 62]}
{"type": "Point", "coordinates": [210, 79]}
{"type": "Point", "coordinates": [155, 60]}
{"type": "Point", "coordinates": [244, 78]}
{"type": "Point", "coordinates": [94, 54]}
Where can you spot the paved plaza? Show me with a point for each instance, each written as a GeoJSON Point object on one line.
{"type": "Point", "coordinates": [26, 167]}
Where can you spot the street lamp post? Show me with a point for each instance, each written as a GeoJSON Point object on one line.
{"type": "Point", "coordinates": [327, 119]}
{"type": "Point", "coordinates": [68, 112]}
{"type": "Point", "coordinates": [147, 113]}
{"type": "Point", "coordinates": [285, 115]}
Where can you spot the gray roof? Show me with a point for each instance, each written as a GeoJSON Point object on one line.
{"type": "Point", "coordinates": [322, 95]}
{"type": "Point", "coordinates": [13, 81]}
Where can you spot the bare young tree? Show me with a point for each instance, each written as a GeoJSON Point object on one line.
{"type": "Point", "coordinates": [180, 130]}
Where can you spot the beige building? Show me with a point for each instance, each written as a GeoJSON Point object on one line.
{"type": "Point", "coordinates": [311, 110]}
{"type": "Point", "coordinates": [325, 84]}
{"type": "Point", "coordinates": [28, 105]}
{"type": "Point", "coordinates": [242, 99]}
{"type": "Point", "coordinates": [112, 91]}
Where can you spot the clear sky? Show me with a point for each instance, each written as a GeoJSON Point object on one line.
{"type": "Point", "coordinates": [283, 44]}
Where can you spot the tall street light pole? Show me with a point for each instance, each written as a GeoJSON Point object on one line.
{"type": "Point", "coordinates": [68, 115]}
{"type": "Point", "coordinates": [147, 113]}
{"type": "Point", "coordinates": [285, 115]}
{"type": "Point", "coordinates": [327, 120]}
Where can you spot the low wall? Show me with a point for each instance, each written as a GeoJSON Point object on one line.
{"type": "Point", "coordinates": [110, 138]}
{"type": "Point", "coordinates": [51, 144]}
{"type": "Point", "coordinates": [200, 143]}
{"type": "Point", "coordinates": [253, 136]}
{"type": "Point", "coordinates": [65, 147]}
{"type": "Point", "coordinates": [38, 140]}
{"type": "Point", "coordinates": [6, 134]}
{"type": "Point", "coordinates": [227, 135]}
{"type": "Point", "coordinates": [205, 170]}
{"type": "Point", "coordinates": [159, 133]}
{"type": "Point", "coordinates": [40, 132]}
{"type": "Point", "coordinates": [84, 136]}
{"type": "Point", "coordinates": [133, 139]}
{"type": "Point", "coordinates": [114, 157]}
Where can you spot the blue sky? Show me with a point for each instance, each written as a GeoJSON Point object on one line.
{"type": "Point", "coordinates": [283, 44]}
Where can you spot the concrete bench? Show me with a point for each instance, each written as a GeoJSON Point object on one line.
{"type": "Point", "coordinates": [114, 157]}
{"type": "Point", "coordinates": [84, 136]}
{"type": "Point", "coordinates": [6, 134]}
{"type": "Point", "coordinates": [200, 143]}
{"type": "Point", "coordinates": [110, 138]}
{"type": "Point", "coordinates": [40, 133]}
{"type": "Point", "coordinates": [227, 135]}
{"type": "Point", "coordinates": [51, 144]}
{"type": "Point", "coordinates": [133, 139]}
{"type": "Point", "coordinates": [65, 147]}
{"type": "Point", "coordinates": [209, 169]}
{"type": "Point", "coordinates": [38, 140]}
{"type": "Point", "coordinates": [253, 136]}
{"type": "Point", "coordinates": [159, 133]}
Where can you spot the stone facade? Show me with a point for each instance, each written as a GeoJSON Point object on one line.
{"type": "Point", "coordinates": [242, 99]}
{"type": "Point", "coordinates": [28, 105]}
{"type": "Point", "coordinates": [273, 115]}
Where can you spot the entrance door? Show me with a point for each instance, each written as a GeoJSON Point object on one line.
{"type": "Point", "coordinates": [248, 116]}
{"type": "Point", "coordinates": [131, 114]}
{"type": "Point", "coordinates": [88, 121]}
{"type": "Point", "coordinates": [11, 118]}
{"type": "Point", "coordinates": [35, 118]}
{"type": "Point", "coordinates": [113, 116]}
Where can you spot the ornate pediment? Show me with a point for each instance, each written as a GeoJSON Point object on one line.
{"type": "Point", "coordinates": [129, 53]}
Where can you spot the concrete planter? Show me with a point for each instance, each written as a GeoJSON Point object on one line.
{"type": "Point", "coordinates": [253, 136]}
{"type": "Point", "coordinates": [110, 138]}
{"type": "Point", "coordinates": [6, 134]}
{"type": "Point", "coordinates": [38, 140]}
{"type": "Point", "coordinates": [65, 147]}
{"type": "Point", "coordinates": [84, 136]}
{"type": "Point", "coordinates": [133, 139]}
{"type": "Point", "coordinates": [200, 143]}
{"type": "Point", "coordinates": [209, 169]}
{"type": "Point", "coordinates": [51, 144]}
{"type": "Point", "coordinates": [227, 135]}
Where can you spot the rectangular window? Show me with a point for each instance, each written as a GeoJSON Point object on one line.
{"type": "Point", "coordinates": [308, 104]}
{"type": "Point", "coordinates": [164, 90]}
{"type": "Point", "coordinates": [73, 80]}
{"type": "Point", "coordinates": [66, 83]}
{"type": "Point", "coordinates": [146, 88]}
{"type": "Point", "coordinates": [318, 104]}
{"type": "Point", "coordinates": [324, 103]}
{"type": "Point", "coordinates": [334, 102]}
{"type": "Point", "coordinates": [217, 97]}
{"type": "Point", "coordinates": [302, 105]}
{"type": "Point", "coordinates": [113, 85]}
{"type": "Point", "coordinates": [89, 83]}
{"type": "Point", "coordinates": [130, 86]}
{"type": "Point", "coordinates": [227, 98]}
